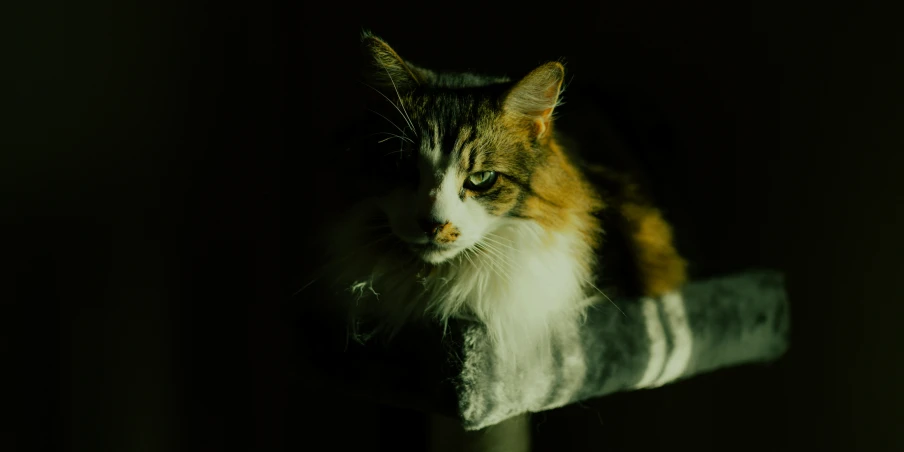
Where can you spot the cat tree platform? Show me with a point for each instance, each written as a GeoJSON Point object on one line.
{"type": "Point", "coordinates": [727, 321]}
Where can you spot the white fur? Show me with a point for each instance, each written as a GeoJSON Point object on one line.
{"type": "Point", "coordinates": [518, 279]}
{"type": "Point", "coordinates": [521, 290]}
{"type": "Point", "coordinates": [529, 285]}
{"type": "Point", "coordinates": [437, 197]}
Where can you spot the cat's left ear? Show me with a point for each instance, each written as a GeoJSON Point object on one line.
{"type": "Point", "coordinates": [537, 95]}
{"type": "Point", "coordinates": [386, 69]}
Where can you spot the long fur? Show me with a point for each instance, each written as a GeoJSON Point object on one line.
{"type": "Point", "coordinates": [519, 258]}
{"type": "Point", "coordinates": [522, 282]}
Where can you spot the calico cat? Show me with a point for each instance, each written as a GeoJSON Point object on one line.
{"type": "Point", "coordinates": [469, 205]}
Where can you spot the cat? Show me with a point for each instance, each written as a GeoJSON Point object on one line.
{"type": "Point", "coordinates": [469, 205]}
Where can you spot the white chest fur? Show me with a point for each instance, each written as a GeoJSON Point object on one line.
{"type": "Point", "coordinates": [520, 281]}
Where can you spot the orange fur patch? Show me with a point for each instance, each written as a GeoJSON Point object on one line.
{"type": "Point", "coordinates": [447, 234]}
{"type": "Point", "coordinates": [558, 196]}
{"type": "Point", "coordinates": [538, 181]}
{"type": "Point", "coordinates": [660, 268]}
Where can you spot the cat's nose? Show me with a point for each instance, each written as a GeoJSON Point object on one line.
{"type": "Point", "coordinates": [431, 226]}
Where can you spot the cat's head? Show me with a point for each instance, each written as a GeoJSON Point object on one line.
{"type": "Point", "coordinates": [450, 158]}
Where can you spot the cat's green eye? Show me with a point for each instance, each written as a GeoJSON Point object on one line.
{"type": "Point", "coordinates": [481, 181]}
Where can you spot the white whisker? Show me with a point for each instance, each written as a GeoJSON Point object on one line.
{"type": "Point", "coordinates": [494, 265]}
{"type": "Point", "coordinates": [390, 121]}
{"type": "Point", "coordinates": [400, 151]}
{"type": "Point", "coordinates": [407, 120]}
{"type": "Point", "coordinates": [401, 104]}
{"type": "Point", "coordinates": [493, 234]}
{"type": "Point", "coordinates": [488, 239]}
{"type": "Point", "coordinates": [502, 256]}
{"type": "Point", "coordinates": [469, 257]}
{"type": "Point", "coordinates": [607, 297]}
{"type": "Point", "coordinates": [305, 286]}
{"type": "Point", "coordinates": [401, 137]}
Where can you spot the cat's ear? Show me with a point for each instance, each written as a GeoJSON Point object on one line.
{"type": "Point", "coordinates": [385, 68]}
{"type": "Point", "coordinates": [537, 95]}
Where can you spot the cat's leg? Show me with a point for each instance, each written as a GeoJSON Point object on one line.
{"type": "Point", "coordinates": [660, 268]}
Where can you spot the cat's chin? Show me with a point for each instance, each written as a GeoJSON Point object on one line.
{"type": "Point", "coordinates": [434, 254]}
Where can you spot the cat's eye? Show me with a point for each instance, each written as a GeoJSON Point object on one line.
{"type": "Point", "coordinates": [481, 181]}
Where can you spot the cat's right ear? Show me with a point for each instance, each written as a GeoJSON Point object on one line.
{"type": "Point", "coordinates": [537, 95]}
{"type": "Point", "coordinates": [385, 69]}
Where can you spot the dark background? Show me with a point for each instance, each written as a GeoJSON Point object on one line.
{"type": "Point", "coordinates": [164, 160]}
